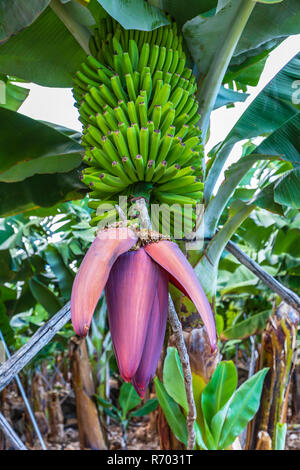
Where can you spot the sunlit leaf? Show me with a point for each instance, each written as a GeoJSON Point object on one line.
{"type": "Point", "coordinates": [135, 14]}
{"type": "Point", "coordinates": [45, 53]}
{"type": "Point", "coordinates": [242, 408]}
{"type": "Point", "coordinates": [172, 412]}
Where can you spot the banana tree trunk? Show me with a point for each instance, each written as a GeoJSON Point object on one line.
{"type": "Point", "coordinates": [295, 419]}
{"type": "Point", "coordinates": [56, 418]}
{"type": "Point", "coordinates": [90, 432]}
{"type": "Point", "coordinates": [277, 352]}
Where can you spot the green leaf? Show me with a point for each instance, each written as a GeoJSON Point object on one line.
{"type": "Point", "coordinates": [6, 293]}
{"type": "Point", "coordinates": [259, 35]}
{"type": "Point", "coordinates": [218, 421]}
{"type": "Point", "coordinates": [287, 189]}
{"type": "Point", "coordinates": [128, 398]}
{"type": "Point", "coordinates": [149, 406]}
{"type": "Point", "coordinates": [251, 326]}
{"type": "Point", "coordinates": [44, 296]}
{"type": "Point", "coordinates": [6, 273]}
{"type": "Point", "coordinates": [227, 96]}
{"type": "Point", "coordinates": [206, 34]}
{"type": "Point", "coordinates": [270, 110]}
{"type": "Point", "coordinates": [219, 389]}
{"type": "Point", "coordinates": [30, 147]}
{"type": "Point", "coordinates": [5, 327]}
{"type": "Point", "coordinates": [207, 268]}
{"type": "Point", "coordinates": [26, 301]}
{"type": "Point", "coordinates": [15, 15]}
{"type": "Point", "coordinates": [45, 53]}
{"type": "Point", "coordinates": [287, 242]}
{"type": "Point", "coordinates": [233, 176]}
{"type": "Point", "coordinates": [135, 14]}
{"type": "Point", "coordinates": [272, 107]}
{"type": "Point", "coordinates": [174, 416]}
{"type": "Point", "coordinates": [266, 200]}
{"type": "Point", "coordinates": [173, 379]}
{"type": "Point", "coordinates": [199, 437]}
{"type": "Point", "coordinates": [280, 436]}
{"type": "Point", "coordinates": [284, 141]}
{"type": "Point", "coordinates": [184, 11]}
{"type": "Point", "coordinates": [63, 273]}
{"type": "Point", "coordinates": [103, 403]}
{"type": "Point", "coordinates": [242, 408]}
{"type": "Point", "coordinates": [11, 95]}
{"type": "Point", "coordinates": [248, 73]}
{"type": "Point", "coordinates": [40, 191]}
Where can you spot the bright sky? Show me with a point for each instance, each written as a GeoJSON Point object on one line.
{"type": "Point", "coordinates": [56, 104]}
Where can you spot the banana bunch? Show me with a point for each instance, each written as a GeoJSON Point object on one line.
{"type": "Point", "coordinates": [136, 102]}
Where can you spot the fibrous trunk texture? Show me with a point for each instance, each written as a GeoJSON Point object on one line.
{"type": "Point", "coordinates": [90, 432]}
{"type": "Point", "coordinates": [278, 347]}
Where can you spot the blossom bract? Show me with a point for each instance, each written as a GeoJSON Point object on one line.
{"type": "Point", "coordinates": [136, 281]}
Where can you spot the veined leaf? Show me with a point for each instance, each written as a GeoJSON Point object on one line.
{"type": "Point", "coordinates": [271, 109]}
{"type": "Point", "coordinates": [206, 34]}
{"type": "Point", "coordinates": [149, 406]}
{"type": "Point", "coordinates": [199, 437]}
{"type": "Point", "coordinates": [174, 416]}
{"type": "Point", "coordinates": [29, 147]}
{"type": "Point", "coordinates": [287, 242]}
{"type": "Point", "coordinates": [63, 273]}
{"type": "Point", "coordinates": [11, 95]}
{"type": "Point", "coordinates": [233, 176]}
{"type": "Point", "coordinates": [284, 141]}
{"type": "Point", "coordinates": [218, 421]}
{"type": "Point", "coordinates": [45, 53]}
{"type": "Point", "coordinates": [44, 296]}
{"type": "Point", "coordinates": [219, 389]}
{"type": "Point", "coordinates": [135, 14]}
{"type": "Point", "coordinates": [128, 398]}
{"type": "Point", "coordinates": [287, 189]}
{"type": "Point", "coordinates": [248, 327]}
{"type": "Point", "coordinates": [173, 378]}
{"type": "Point", "coordinates": [227, 96]}
{"type": "Point", "coordinates": [184, 11]}
{"type": "Point", "coordinates": [15, 15]}
{"type": "Point", "coordinates": [40, 191]}
{"type": "Point", "coordinates": [242, 408]}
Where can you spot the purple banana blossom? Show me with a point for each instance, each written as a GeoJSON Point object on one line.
{"type": "Point", "coordinates": [136, 286]}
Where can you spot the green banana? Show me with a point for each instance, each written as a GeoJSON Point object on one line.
{"type": "Point", "coordinates": [136, 102]}
{"type": "Point", "coordinates": [177, 183]}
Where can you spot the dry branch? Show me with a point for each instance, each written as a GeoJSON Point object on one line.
{"type": "Point", "coordinates": [288, 296]}
{"type": "Point", "coordinates": [27, 352]}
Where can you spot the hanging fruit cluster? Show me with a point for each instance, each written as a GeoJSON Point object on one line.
{"type": "Point", "coordinates": [139, 114]}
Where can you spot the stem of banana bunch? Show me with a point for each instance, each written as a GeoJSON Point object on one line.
{"type": "Point", "coordinates": [180, 344]}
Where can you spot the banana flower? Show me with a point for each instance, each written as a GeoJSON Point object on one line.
{"type": "Point", "coordinates": [136, 279]}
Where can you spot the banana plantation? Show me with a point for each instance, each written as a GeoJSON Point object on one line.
{"type": "Point", "coordinates": [150, 260]}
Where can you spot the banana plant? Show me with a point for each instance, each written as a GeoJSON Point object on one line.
{"type": "Point", "coordinates": [223, 410]}
{"type": "Point", "coordinates": [146, 78]}
{"type": "Point", "coordinates": [128, 407]}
